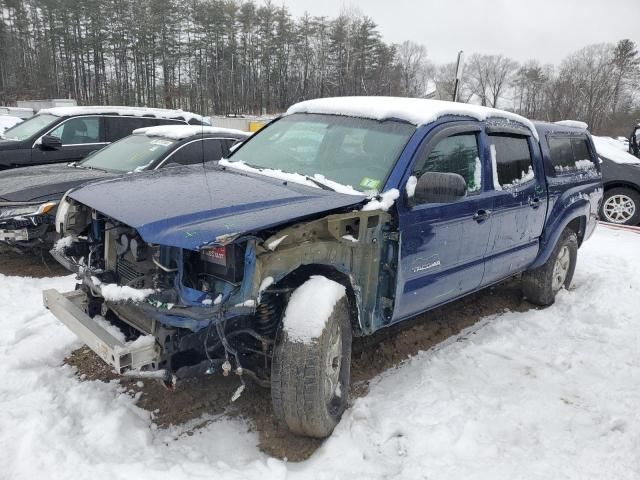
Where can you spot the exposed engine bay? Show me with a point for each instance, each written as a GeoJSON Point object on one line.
{"type": "Point", "coordinates": [218, 309]}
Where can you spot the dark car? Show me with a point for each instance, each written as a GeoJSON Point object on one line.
{"type": "Point", "coordinates": [30, 195]}
{"type": "Point", "coordinates": [67, 134]}
{"type": "Point", "coordinates": [621, 179]}
{"type": "Point", "coordinates": [343, 217]}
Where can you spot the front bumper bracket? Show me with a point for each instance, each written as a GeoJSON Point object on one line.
{"type": "Point", "coordinates": [68, 308]}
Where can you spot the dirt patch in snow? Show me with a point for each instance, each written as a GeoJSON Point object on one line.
{"type": "Point", "coordinates": [371, 356]}
{"type": "Point", "coordinates": [35, 263]}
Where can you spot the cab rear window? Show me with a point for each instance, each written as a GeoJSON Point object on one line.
{"type": "Point", "coordinates": [570, 154]}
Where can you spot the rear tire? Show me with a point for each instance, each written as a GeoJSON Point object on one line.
{"type": "Point", "coordinates": [621, 206]}
{"type": "Point", "coordinates": [540, 285]}
{"type": "Point", "coordinates": [310, 381]}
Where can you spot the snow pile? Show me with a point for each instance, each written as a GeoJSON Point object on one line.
{"type": "Point", "coordinates": [413, 110]}
{"type": "Point", "coordinates": [180, 132]}
{"type": "Point", "coordinates": [544, 394]}
{"type": "Point", "coordinates": [114, 331]}
{"type": "Point", "coordinates": [142, 341]}
{"type": "Point", "coordinates": [62, 243]}
{"type": "Point", "coordinates": [524, 178]}
{"type": "Point", "coordinates": [8, 121]}
{"type": "Point", "coordinates": [129, 111]}
{"type": "Point", "coordinates": [309, 308]}
{"type": "Point", "coordinates": [578, 165]}
{"type": "Point", "coordinates": [494, 167]}
{"type": "Point", "coordinates": [610, 149]}
{"type": "Point", "coordinates": [573, 124]}
{"type": "Point", "coordinates": [477, 175]}
{"type": "Point", "coordinates": [585, 164]}
{"type": "Point", "coordinates": [384, 201]}
{"type": "Point", "coordinates": [410, 187]}
{"type": "Point", "coordinates": [291, 177]}
{"type": "Point", "coordinates": [116, 293]}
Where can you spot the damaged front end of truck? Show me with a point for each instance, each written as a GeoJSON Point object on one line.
{"type": "Point", "coordinates": [214, 306]}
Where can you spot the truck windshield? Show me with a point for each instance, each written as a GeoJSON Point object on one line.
{"type": "Point", "coordinates": [350, 151]}
{"type": "Point", "coordinates": [29, 127]}
{"type": "Point", "coordinates": [131, 154]}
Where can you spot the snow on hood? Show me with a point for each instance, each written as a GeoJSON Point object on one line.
{"type": "Point", "coordinates": [188, 207]}
{"type": "Point", "coordinates": [132, 111]}
{"type": "Point", "coordinates": [8, 121]}
{"type": "Point", "coordinates": [180, 132]}
{"type": "Point", "coordinates": [613, 150]}
{"type": "Point", "coordinates": [573, 123]}
{"type": "Point", "coordinates": [417, 111]}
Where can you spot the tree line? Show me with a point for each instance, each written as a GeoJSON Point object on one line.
{"type": "Point", "coordinates": [243, 57]}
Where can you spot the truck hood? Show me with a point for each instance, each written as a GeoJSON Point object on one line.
{"type": "Point", "coordinates": [188, 207]}
{"type": "Point", "coordinates": [45, 182]}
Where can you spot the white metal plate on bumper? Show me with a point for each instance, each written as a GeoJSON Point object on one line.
{"type": "Point", "coordinates": [67, 307]}
{"type": "Point", "coordinates": [17, 235]}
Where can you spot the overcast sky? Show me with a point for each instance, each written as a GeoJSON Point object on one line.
{"type": "Point", "coordinates": [521, 29]}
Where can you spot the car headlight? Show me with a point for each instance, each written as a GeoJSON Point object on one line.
{"type": "Point", "coordinates": [61, 215]}
{"type": "Point", "coordinates": [26, 210]}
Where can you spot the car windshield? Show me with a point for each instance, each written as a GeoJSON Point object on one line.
{"type": "Point", "coordinates": [132, 153]}
{"type": "Point", "coordinates": [350, 151]}
{"type": "Point", "coordinates": [29, 127]}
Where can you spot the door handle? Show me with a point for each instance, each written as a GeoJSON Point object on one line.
{"type": "Point", "coordinates": [481, 215]}
{"type": "Point", "coordinates": [534, 202]}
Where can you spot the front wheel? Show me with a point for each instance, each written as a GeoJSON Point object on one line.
{"type": "Point", "coordinates": [621, 205]}
{"type": "Point", "coordinates": [541, 285]}
{"type": "Point", "coordinates": [310, 371]}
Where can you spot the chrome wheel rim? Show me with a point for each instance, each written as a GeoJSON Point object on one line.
{"type": "Point", "coordinates": [561, 268]}
{"type": "Point", "coordinates": [333, 363]}
{"type": "Point", "coordinates": [619, 208]}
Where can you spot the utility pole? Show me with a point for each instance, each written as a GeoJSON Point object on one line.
{"type": "Point", "coordinates": [459, 69]}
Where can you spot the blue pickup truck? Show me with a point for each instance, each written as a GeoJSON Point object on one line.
{"type": "Point", "coordinates": [340, 218]}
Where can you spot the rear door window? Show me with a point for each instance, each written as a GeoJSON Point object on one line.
{"type": "Point", "coordinates": [120, 127]}
{"type": "Point", "coordinates": [570, 154]}
{"type": "Point", "coordinates": [511, 161]}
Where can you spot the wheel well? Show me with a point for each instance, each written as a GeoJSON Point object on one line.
{"type": "Point", "coordinates": [619, 184]}
{"type": "Point", "coordinates": [301, 274]}
{"type": "Point", "coordinates": [577, 225]}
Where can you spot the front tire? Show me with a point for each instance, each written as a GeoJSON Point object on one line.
{"type": "Point", "coordinates": [541, 285]}
{"type": "Point", "coordinates": [310, 380]}
{"type": "Point", "coordinates": [621, 205]}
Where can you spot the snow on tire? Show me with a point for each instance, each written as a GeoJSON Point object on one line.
{"type": "Point", "coordinates": [540, 285]}
{"type": "Point", "coordinates": [312, 359]}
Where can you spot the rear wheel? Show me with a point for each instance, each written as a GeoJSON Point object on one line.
{"type": "Point", "coordinates": [621, 205]}
{"type": "Point", "coordinates": [310, 379]}
{"type": "Point", "coordinates": [541, 285]}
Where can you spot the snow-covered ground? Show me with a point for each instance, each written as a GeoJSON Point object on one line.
{"type": "Point", "coordinates": [545, 394]}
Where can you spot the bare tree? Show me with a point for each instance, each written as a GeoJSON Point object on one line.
{"type": "Point", "coordinates": [413, 68]}
{"type": "Point", "coordinates": [489, 77]}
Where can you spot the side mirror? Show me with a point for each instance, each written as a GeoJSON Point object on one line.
{"type": "Point", "coordinates": [436, 187]}
{"type": "Point", "coordinates": [49, 142]}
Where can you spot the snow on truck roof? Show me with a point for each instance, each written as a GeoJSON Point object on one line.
{"type": "Point", "coordinates": [417, 111]}
{"type": "Point", "coordinates": [180, 132]}
{"type": "Point", "coordinates": [129, 111]}
{"type": "Point", "coordinates": [573, 123]}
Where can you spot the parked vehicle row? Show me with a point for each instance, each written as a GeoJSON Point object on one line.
{"type": "Point", "coordinates": [31, 194]}
{"type": "Point", "coordinates": [340, 218]}
{"type": "Point", "coordinates": [54, 138]}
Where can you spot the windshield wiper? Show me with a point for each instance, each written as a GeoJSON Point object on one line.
{"type": "Point", "coordinates": [323, 186]}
